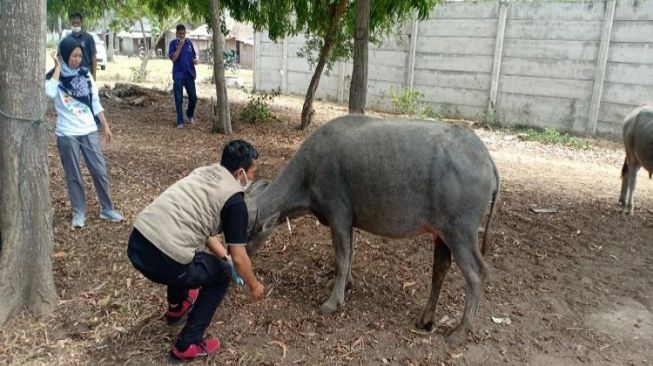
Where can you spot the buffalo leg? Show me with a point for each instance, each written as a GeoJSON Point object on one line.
{"type": "Point", "coordinates": [350, 280]}
{"type": "Point", "coordinates": [624, 183]}
{"type": "Point", "coordinates": [464, 248]}
{"type": "Point", "coordinates": [631, 180]}
{"type": "Point", "coordinates": [341, 234]}
{"type": "Point", "coordinates": [441, 266]}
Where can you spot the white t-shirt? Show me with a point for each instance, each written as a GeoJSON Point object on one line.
{"type": "Point", "coordinates": [74, 118]}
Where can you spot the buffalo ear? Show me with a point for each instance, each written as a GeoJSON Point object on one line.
{"type": "Point", "coordinates": [252, 213]}
{"type": "Point", "coordinates": [251, 201]}
{"type": "Point", "coordinates": [257, 187]}
{"type": "Point", "coordinates": [271, 222]}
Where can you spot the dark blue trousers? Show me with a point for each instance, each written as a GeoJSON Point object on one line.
{"type": "Point", "coordinates": [178, 86]}
{"type": "Point", "coordinates": [207, 271]}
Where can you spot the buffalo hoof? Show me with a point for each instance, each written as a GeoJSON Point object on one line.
{"type": "Point", "coordinates": [328, 308]}
{"type": "Point", "coordinates": [456, 336]}
{"type": "Point", "coordinates": [628, 211]}
{"type": "Point", "coordinates": [429, 326]}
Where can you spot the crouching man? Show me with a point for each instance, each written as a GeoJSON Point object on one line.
{"type": "Point", "coordinates": [174, 242]}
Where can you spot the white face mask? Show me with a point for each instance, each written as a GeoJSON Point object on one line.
{"type": "Point", "coordinates": [248, 183]}
{"type": "Point", "coordinates": [77, 29]}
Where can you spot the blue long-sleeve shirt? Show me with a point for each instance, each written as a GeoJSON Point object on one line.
{"type": "Point", "coordinates": [183, 67]}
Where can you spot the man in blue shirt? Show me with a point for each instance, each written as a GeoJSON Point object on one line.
{"type": "Point", "coordinates": [184, 59]}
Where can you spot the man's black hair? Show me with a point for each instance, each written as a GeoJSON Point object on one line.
{"type": "Point", "coordinates": [76, 14]}
{"type": "Point", "coordinates": [181, 27]}
{"type": "Point", "coordinates": [238, 154]}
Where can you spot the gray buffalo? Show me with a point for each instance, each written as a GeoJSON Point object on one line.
{"type": "Point", "coordinates": [394, 178]}
{"type": "Point", "coordinates": [638, 141]}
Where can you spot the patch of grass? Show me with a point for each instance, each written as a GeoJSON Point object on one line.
{"type": "Point", "coordinates": [552, 136]}
{"type": "Point", "coordinates": [257, 109]}
{"type": "Point", "coordinates": [429, 112]}
{"type": "Point", "coordinates": [489, 120]}
{"type": "Point", "coordinates": [406, 100]}
{"type": "Point", "coordinates": [136, 76]}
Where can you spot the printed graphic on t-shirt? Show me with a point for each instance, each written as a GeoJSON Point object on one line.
{"type": "Point", "coordinates": [80, 86]}
{"type": "Point", "coordinates": [73, 105]}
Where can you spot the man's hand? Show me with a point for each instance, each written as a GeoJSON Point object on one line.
{"type": "Point", "coordinates": [244, 268]}
{"type": "Point", "coordinates": [180, 46]}
{"type": "Point", "coordinates": [257, 291]}
{"type": "Point", "coordinates": [195, 62]}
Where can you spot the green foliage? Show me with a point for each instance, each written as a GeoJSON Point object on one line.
{"type": "Point", "coordinates": [489, 120]}
{"type": "Point", "coordinates": [137, 76]}
{"type": "Point", "coordinates": [52, 43]}
{"type": "Point", "coordinates": [554, 137]}
{"type": "Point", "coordinates": [90, 9]}
{"type": "Point", "coordinates": [280, 18]}
{"type": "Point", "coordinates": [406, 101]}
{"type": "Point", "coordinates": [199, 9]}
{"type": "Point", "coordinates": [341, 49]}
{"type": "Point", "coordinates": [429, 112]}
{"type": "Point", "coordinates": [161, 18]}
{"type": "Point", "coordinates": [312, 18]}
{"type": "Point", "coordinates": [257, 109]}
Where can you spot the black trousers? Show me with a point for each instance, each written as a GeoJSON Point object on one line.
{"type": "Point", "coordinates": [207, 271]}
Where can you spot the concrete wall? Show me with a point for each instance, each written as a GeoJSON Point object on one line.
{"type": "Point", "coordinates": [127, 46]}
{"type": "Point", "coordinates": [246, 56]}
{"type": "Point", "coordinates": [629, 70]}
{"type": "Point", "coordinates": [577, 66]}
{"type": "Point", "coordinates": [548, 65]}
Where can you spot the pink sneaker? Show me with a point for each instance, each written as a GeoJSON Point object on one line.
{"type": "Point", "coordinates": [176, 317]}
{"type": "Point", "coordinates": [208, 347]}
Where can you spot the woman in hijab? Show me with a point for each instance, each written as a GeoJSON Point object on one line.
{"type": "Point", "coordinates": [79, 115]}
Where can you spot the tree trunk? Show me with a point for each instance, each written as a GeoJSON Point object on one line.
{"type": "Point", "coordinates": [307, 109]}
{"type": "Point", "coordinates": [358, 86]}
{"type": "Point", "coordinates": [146, 57]}
{"type": "Point", "coordinates": [25, 207]}
{"type": "Point", "coordinates": [170, 23]}
{"type": "Point", "coordinates": [145, 45]}
{"type": "Point", "coordinates": [222, 119]}
{"type": "Point", "coordinates": [108, 15]}
{"type": "Point", "coordinates": [110, 50]}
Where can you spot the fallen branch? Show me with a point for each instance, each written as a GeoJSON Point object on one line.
{"type": "Point", "coordinates": [283, 347]}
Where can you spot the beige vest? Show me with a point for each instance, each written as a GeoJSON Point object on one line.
{"type": "Point", "coordinates": [180, 220]}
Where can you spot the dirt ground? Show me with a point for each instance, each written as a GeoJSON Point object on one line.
{"type": "Point", "coordinates": [576, 285]}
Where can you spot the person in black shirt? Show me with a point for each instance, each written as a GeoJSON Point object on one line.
{"type": "Point", "coordinates": [169, 245]}
{"type": "Point", "coordinates": [86, 42]}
